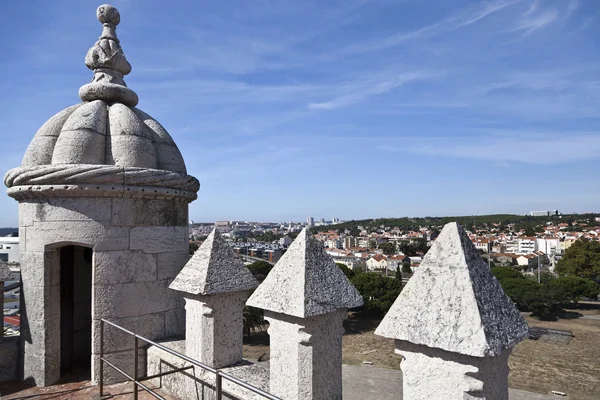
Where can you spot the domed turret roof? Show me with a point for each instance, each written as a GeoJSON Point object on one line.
{"type": "Point", "coordinates": [105, 135]}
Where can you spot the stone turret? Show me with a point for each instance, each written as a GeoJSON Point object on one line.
{"type": "Point", "coordinates": [454, 325]}
{"type": "Point", "coordinates": [306, 297]}
{"type": "Point", "coordinates": [103, 197]}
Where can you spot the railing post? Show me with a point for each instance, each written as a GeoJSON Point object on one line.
{"type": "Point", "coordinates": [135, 367]}
{"type": "Point", "coordinates": [101, 368]}
{"type": "Point", "coordinates": [218, 386]}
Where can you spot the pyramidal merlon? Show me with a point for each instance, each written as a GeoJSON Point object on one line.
{"type": "Point", "coordinates": [453, 302]}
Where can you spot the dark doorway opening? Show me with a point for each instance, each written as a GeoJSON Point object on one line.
{"type": "Point", "coordinates": [76, 311]}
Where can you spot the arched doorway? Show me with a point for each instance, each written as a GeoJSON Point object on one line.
{"type": "Point", "coordinates": [75, 311]}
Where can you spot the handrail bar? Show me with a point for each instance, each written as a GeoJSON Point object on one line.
{"type": "Point", "coordinates": [217, 372]}
{"type": "Point", "coordinates": [10, 287]}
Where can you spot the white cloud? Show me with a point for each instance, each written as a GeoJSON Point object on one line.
{"type": "Point", "coordinates": [532, 20]}
{"type": "Point", "coordinates": [500, 149]}
{"type": "Point", "coordinates": [487, 8]}
{"type": "Point", "coordinates": [363, 90]}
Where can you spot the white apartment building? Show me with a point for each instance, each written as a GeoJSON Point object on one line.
{"type": "Point", "coordinates": [548, 245]}
{"type": "Point", "coordinates": [526, 245]}
{"type": "Point", "coordinates": [512, 246]}
{"type": "Point", "coordinates": [9, 250]}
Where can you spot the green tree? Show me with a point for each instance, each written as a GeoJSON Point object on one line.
{"type": "Point", "coordinates": [372, 244]}
{"type": "Point", "coordinates": [354, 231]}
{"type": "Point", "coordinates": [347, 271]}
{"type": "Point", "coordinates": [529, 231]}
{"type": "Point", "coordinates": [253, 319]}
{"type": "Point", "coordinates": [193, 248]}
{"type": "Point", "coordinates": [406, 267]}
{"type": "Point", "coordinates": [572, 288]}
{"type": "Point", "coordinates": [260, 269]}
{"type": "Point", "coordinates": [398, 275]}
{"type": "Point", "coordinates": [502, 273]}
{"type": "Point", "coordinates": [389, 249]}
{"type": "Point", "coordinates": [581, 259]}
{"type": "Point", "coordinates": [378, 292]}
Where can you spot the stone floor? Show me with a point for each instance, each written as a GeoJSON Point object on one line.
{"type": "Point", "coordinates": [360, 382]}
{"type": "Point", "coordinates": [82, 390]}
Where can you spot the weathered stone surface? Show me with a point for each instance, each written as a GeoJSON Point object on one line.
{"type": "Point", "coordinates": [45, 138]}
{"type": "Point", "coordinates": [66, 209]}
{"type": "Point", "coordinates": [305, 282]}
{"type": "Point", "coordinates": [306, 355]}
{"type": "Point", "coordinates": [214, 268]}
{"type": "Point", "coordinates": [430, 373]}
{"type": "Point", "coordinates": [171, 263]}
{"type": "Point", "coordinates": [150, 326]}
{"type": "Point", "coordinates": [5, 273]}
{"type": "Point", "coordinates": [175, 322]}
{"type": "Point", "coordinates": [148, 212]}
{"type": "Point", "coordinates": [115, 267]}
{"type": "Point", "coordinates": [123, 359]}
{"type": "Point", "coordinates": [158, 239]}
{"type": "Point", "coordinates": [85, 233]}
{"type": "Point", "coordinates": [453, 302]}
{"type": "Point", "coordinates": [40, 268]}
{"type": "Point", "coordinates": [214, 328]}
{"type": "Point", "coordinates": [133, 299]}
{"type": "Point", "coordinates": [200, 384]}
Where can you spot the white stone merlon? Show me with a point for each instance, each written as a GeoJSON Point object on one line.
{"type": "Point", "coordinates": [306, 298]}
{"type": "Point", "coordinates": [454, 325]}
{"type": "Point", "coordinates": [103, 197]}
{"type": "Point", "coordinates": [215, 284]}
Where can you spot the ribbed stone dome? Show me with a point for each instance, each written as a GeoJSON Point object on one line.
{"type": "Point", "coordinates": [104, 146]}
{"type": "Point", "coordinates": [99, 132]}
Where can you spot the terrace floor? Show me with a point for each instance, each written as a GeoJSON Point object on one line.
{"type": "Point", "coordinates": [360, 382]}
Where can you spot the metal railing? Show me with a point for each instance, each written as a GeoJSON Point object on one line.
{"type": "Point", "coordinates": [137, 382]}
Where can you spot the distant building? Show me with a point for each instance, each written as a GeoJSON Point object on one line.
{"type": "Point", "coordinates": [377, 262]}
{"type": "Point", "coordinates": [526, 245]}
{"type": "Point", "coordinates": [310, 221]}
{"type": "Point", "coordinates": [543, 213]}
{"type": "Point", "coordinates": [335, 221]}
{"type": "Point", "coordinates": [222, 223]}
{"type": "Point", "coordinates": [285, 241]}
{"type": "Point", "coordinates": [350, 241]}
{"type": "Point", "coordinates": [9, 250]}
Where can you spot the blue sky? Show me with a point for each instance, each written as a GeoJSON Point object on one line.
{"type": "Point", "coordinates": [348, 109]}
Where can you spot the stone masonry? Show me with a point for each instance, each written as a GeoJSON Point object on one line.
{"type": "Point", "coordinates": [306, 297]}
{"type": "Point", "coordinates": [103, 175]}
{"type": "Point", "coordinates": [454, 325]}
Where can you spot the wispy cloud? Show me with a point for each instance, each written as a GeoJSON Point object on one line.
{"type": "Point", "coordinates": [363, 90]}
{"type": "Point", "coordinates": [536, 18]}
{"type": "Point", "coordinates": [519, 147]}
{"type": "Point", "coordinates": [487, 8]}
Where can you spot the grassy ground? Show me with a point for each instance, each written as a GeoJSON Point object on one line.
{"type": "Point", "coordinates": [573, 368]}
{"type": "Point", "coordinates": [536, 366]}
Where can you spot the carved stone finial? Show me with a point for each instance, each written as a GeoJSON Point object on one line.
{"type": "Point", "coordinates": [107, 60]}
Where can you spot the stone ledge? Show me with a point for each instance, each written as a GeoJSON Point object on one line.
{"type": "Point", "coordinates": [197, 383]}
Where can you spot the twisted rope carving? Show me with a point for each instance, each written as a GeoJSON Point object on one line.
{"type": "Point", "coordinates": [99, 174]}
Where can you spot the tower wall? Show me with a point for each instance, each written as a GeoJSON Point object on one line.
{"type": "Point", "coordinates": [139, 245]}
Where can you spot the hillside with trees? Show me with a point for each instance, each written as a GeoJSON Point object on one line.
{"type": "Point", "coordinates": [526, 222]}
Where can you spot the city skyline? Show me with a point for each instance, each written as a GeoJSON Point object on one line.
{"type": "Point", "coordinates": [360, 109]}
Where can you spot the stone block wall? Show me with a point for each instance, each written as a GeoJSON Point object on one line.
{"type": "Point", "coordinates": [139, 246]}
